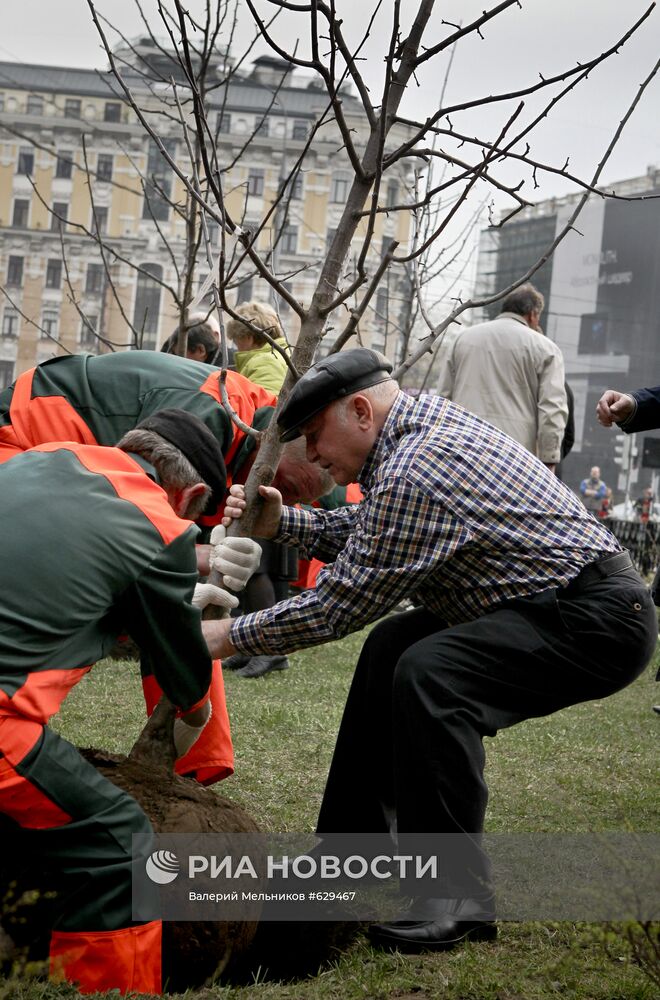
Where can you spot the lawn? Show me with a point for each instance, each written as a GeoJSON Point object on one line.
{"type": "Point", "coordinates": [591, 767]}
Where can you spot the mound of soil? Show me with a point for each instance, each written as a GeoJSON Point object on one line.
{"type": "Point", "coordinates": [196, 953]}
{"type": "Point", "coordinates": [193, 952]}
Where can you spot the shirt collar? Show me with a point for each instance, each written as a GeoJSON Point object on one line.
{"type": "Point", "coordinates": [384, 442]}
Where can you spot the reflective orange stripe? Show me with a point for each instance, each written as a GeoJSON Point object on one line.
{"type": "Point", "coordinates": [245, 398]}
{"type": "Point", "coordinates": [44, 418]}
{"type": "Point", "coordinates": [19, 798]}
{"type": "Point", "coordinates": [211, 758]}
{"type": "Point", "coordinates": [26, 804]}
{"type": "Point", "coordinates": [42, 693]}
{"type": "Point", "coordinates": [128, 960]}
{"type": "Point", "coordinates": [354, 494]}
{"type": "Point", "coordinates": [119, 469]}
{"type": "Point", "coordinates": [9, 445]}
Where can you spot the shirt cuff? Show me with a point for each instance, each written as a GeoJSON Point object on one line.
{"type": "Point", "coordinates": [297, 527]}
{"type": "Point", "coordinates": [631, 416]}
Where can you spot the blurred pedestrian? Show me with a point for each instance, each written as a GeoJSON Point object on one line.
{"type": "Point", "coordinates": [255, 356]}
{"type": "Point", "coordinates": [593, 490]}
{"type": "Point", "coordinates": [508, 373]}
{"type": "Point", "coordinates": [203, 343]}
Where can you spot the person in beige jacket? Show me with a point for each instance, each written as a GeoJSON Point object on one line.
{"type": "Point", "coordinates": [508, 373]}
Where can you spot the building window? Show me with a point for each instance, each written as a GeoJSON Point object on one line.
{"type": "Point", "coordinates": [340, 187]}
{"type": "Point", "coordinates": [19, 219]}
{"type": "Point", "coordinates": [261, 127]}
{"type": "Point", "coordinates": [10, 322]}
{"type": "Point", "coordinates": [15, 271]}
{"type": "Point", "coordinates": [35, 104]}
{"type": "Point", "coordinates": [59, 215]}
{"type": "Point", "coordinates": [50, 321]}
{"type": "Point", "coordinates": [2, 102]}
{"type": "Point", "coordinates": [6, 373]}
{"type": "Point", "coordinates": [297, 187]}
{"type": "Point", "coordinates": [244, 291]}
{"type": "Point", "coordinates": [64, 166]}
{"type": "Point", "coordinates": [54, 273]}
{"type": "Point", "coordinates": [25, 160]}
{"type": "Point", "coordinates": [299, 130]}
{"type": "Point", "coordinates": [72, 107]}
{"type": "Point", "coordinates": [289, 240]}
{"type": "Point", "coordinates": [255, 184]}
{"type": "Point", "coordinates": [392, 197]}
{"type": "Point", "coordinates": [147, 305]}
{"type": "Point", "coordinates": [99, 220]}
{"type": "Point", "coordinates": [382, 306]}
{"type": "Point", "coordinates": [284, 306]}
{"type": "Point", "coordinates": [94, 279]}
{"type": "Point", "coordinates": [223, 123]}
{"type": "Point", "coordinates": [158, 187]}
{"type": "Point", "coordinates": [104, 167]}
{"type": "Point", "coordinates": [112, 111]}
{"type": "Point", "coordinates": [213, 229]}
{"type": "Point", "coordinates": [89, 331]}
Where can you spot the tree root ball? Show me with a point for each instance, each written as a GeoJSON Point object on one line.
{"type": "Point", "coordinates": [199, 951]}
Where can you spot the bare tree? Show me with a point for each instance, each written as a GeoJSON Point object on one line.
{"type": "Point", "coordinates": [377, 141]}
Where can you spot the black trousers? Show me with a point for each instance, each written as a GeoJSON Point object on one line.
{"type": "Point", "coordinates": [409, 755]}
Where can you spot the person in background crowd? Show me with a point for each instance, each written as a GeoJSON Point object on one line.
{"type": "Point", "coordinates": [644, 505]}
{"type": "Point", "coordinates": [526, 604]}
{"type": "Point", "coordinates": [594, 491]}
{"type": "Point", "coordinates": [568, 439]}
{"type": "Point", "coordinates": [255, 358]}
{"type": "Point", "coordinates": [101, 538]}
{"type": "Point", "coordinates": [203, 339]}
{"type": "Point", "coordinates": [508, 373]}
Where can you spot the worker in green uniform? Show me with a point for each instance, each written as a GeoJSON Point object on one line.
{"type": "Point", "coordinates": [101, 538]}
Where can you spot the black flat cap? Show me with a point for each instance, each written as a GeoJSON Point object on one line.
{"type": "Point", "coordinates": [194, 440]}
{"type": "Point", "coordinates": [334, 377]}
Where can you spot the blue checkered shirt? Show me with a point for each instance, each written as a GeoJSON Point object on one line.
{"type": "Point", "coordinates": [457, 516]}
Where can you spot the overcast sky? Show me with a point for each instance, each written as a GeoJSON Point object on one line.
{"type": "Point", "coordinates": [546, 36]}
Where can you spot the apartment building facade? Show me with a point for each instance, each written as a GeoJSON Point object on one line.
{"type": "Point", "coordinates": [90, 243]}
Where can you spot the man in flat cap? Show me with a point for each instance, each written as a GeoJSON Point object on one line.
{"type": "Point", "coordinates": [68, 588]}
{"type": "Point", "coordinates": [524, 605]}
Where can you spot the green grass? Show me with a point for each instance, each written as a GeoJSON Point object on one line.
{"type": "Point", "coordinates": [590, 767]}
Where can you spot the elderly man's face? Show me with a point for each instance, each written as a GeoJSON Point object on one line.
{"type": "Point", "coordinates": [595, 472]}
{"type": "Point", "coordinates": [299, 482]}
{"type": "Point", "coordinates": [341, 437]}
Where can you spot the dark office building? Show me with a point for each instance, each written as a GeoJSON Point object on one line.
{"type": "Point", "coordinates": [602, 291]}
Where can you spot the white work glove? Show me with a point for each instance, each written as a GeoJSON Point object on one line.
{"type": "Point", "coordinates": [235, 559]}
{"type": "Point", "coordinates": [185, 736]}
{"type": "Point", "coordinates": [207, 593]}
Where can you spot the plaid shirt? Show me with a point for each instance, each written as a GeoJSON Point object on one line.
{"type": "Point", "coordinates": [456, 515]}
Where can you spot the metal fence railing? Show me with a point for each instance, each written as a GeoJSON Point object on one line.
{"type": "Point", "coordinates": [642, 541]}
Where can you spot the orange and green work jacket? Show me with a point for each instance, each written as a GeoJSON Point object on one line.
{"type": "Point", "coordinates": [93, 547]}
{"type": "Point", "coordinates": [96, 400]}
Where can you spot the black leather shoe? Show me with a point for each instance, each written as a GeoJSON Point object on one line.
{"type": "Point", "coordinates": [437, 925]}
{"type": "Point", "coordinates": [236, 660]}
{"type": "Point", "coordinates": [257, 666]}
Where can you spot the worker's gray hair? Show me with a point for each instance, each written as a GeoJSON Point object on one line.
{"type": "Point", "coordinates": [174, 470]}
{"type": "Point", "coordinates": [296, 451]}
{"type": "Point", "coordinates": [524, 300]}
